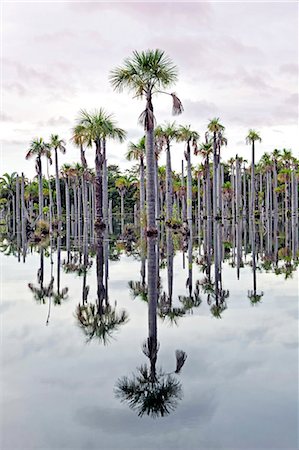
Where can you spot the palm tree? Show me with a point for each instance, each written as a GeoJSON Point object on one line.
{"type": "Point", "coordinates": [122, 184]}
{"type": "Point", "coordinates": [145, 74]}
{"type": "Point", "coordinates": [98, 127]}
{"type": "Point", "coordinates": [57, 144]}
{"type": "Point", "coordinates": [190, 137]}
{"type": "Point", "coordinates": [250, 139]}
{"type": "Point", "coordinates": [216, 129]}
{"type": "Point", "coordinates": [79, 138]}
{"type": "Point", "coordinates": [37, 149]}
{"type": "Point", "coordinates": [137, 152]}
{"type": "Point", "coordinates": [165, 134]}
{"type": "Point", "coordinates": [8, 188]}
{"type": "Point", "coordinates": [205, 150]}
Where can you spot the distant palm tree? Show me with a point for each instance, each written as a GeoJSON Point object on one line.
{"type": "Point", "coordinates": [166, 134]}
{"type": "Point", "coordinates": [57, 144]}
{"type": "Point", "coordinates": [190, 137]}
{"type": "Point", "coordinates": [37, 149]}
{"type": "Point", "coordinates": [146, 73]}
{"type": "Point", "coordinates": [250, 139]}
{"type": "Point", "coordinates": [137, 152]}
{"type": "Point", "coordinates": [79, 138]}
{"type": "Point", "coordinates": [216, 130]}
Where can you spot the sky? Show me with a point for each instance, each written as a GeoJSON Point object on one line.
{"type": "Point", "coordinates": [237, 61]}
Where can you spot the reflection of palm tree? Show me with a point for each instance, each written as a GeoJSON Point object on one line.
{"type": "Point", "coordinates": [151, 391]}
{"type": "Point", "coordinates": [41, 292]}
{"type": "Point", "coordinates": [154, 397]}
{"type": "Point", "coordinates": [99, 320]}
{"type": "Point", "coordinates": [99, 323]}
{"type": "Point", "coordinates": [253, 296]}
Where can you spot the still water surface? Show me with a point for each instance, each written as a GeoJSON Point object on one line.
{"type": "Point", "coordinates": [239, 383]}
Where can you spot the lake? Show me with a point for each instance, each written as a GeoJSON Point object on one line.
{"type": "Point", "coordinates": [65, 354]}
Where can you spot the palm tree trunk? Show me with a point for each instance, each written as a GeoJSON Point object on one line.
{"type": "Point", "coordinates": [68, 214]}
{"type": "Point", "coordinates": [40, 188]}
{"type": "Point", "coordinates": [142, 193]}
{"type": "Point", "coordinates": [189, 186]}
{"type": "Point", "coordinates": [105, 185]}
{"type": "Point", "coordinates": [184, 216]}
{"type": "Point", "coordinates": [99, 185]}
{"type": "Point", "coordinates": [150, 180]}
{"type": "Point", "coordinates": [253, 180]}
{"type": "Point", "coordinates": [169, 193]}
{"type": "Point", "coordinates": [158, 206]}
{"type": "Point", "coordinates": [122, 211]}
{"type": "Point", "coordinates": [58, 193]}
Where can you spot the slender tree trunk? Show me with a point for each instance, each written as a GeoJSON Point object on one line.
{"type": "Point", "coordinates": [40, 187]}
{"type": "Point", "coordinates": [68, 214]}
{"type": "Point", "coordinates": [99, 185]}
{"type": "Point", "coordinates": [150, 180]}
{"type": "Point", "coordinates": [58, 193]}
{"type": "Point", "coordinates": [142, 192]}
{"type": "Point", "coordinates": [169, 193]}
{"type": "Point", "coordinates": [105, 185]}
{"type": "Point", "coordinates": [184, 215]}
{"type": "Point", "coordinates": [189, 187]}
{"type": "Point", "coordinates": [253, 180]}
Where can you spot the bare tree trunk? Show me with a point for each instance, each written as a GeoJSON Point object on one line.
{"type": "Point", "coordinates": [169, 192]}
{"type": "Point", "coordinates": [150, 181]}
{"type": "Point", "coordinates": [189, 187]}
{"type": "Point", "coordinates": [58, 193]}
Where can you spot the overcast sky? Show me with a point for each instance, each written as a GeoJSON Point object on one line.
{"type": "Point", "coordinates": [237, 61]}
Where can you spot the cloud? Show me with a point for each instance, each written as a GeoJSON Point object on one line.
{"type": "Point", "coordinates": [289, 69]}
{"type": "Point", "coordinates": [55, 121]}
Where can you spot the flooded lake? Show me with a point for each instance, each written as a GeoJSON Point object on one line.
{"type": "Point", "coordinates": [80, 372]}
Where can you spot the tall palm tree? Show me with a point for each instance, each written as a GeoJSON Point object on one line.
{"type": "Point", "coordinates": [79, 138]}
{"type": "Point", "coordinates": [137, 152]}
{"type": "Point", "coordinates": [38, 148]}
{"type": "Point", "coordinates": [57, 144]}
{"type": "Point", "coordinates": [165, 134]}
{"type": "Point", "coordinates": [122, 184]}
{"type": "Point", "coordinates": [190, 137]}
{"type": "Point", "coordinates": [205, 150]}
{"type": "Point", "coordinates": [146, 73]}
{"type": "Point", "coordinates": [250, 139]}
{"type": "Point", "coordinates": [98, 127]}
{"type": "Point", "coordinates": [216, 130]}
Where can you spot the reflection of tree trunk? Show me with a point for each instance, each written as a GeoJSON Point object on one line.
{"type": "Point", "coordinates": [85, 263]}
{"type": "Point", "coordinates": [100, 271]}
{"type": "Point", "coordinates": [152, 281]}
{"type": "Point", "coordinates": [190, 263]}
{"type": "Point", "coordinates": [253, 257]}
{"type": "Point", "coordinates": [58, 263]}
{"type": "Point", "coordinates": [169, 253]}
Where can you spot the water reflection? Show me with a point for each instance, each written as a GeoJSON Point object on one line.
{"type": "Point", "coordinates": [150, 390]}
{"type": "Point", "coordinates": [99, 320]}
